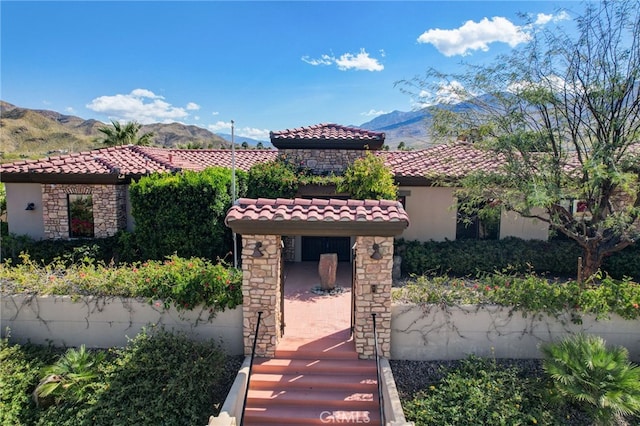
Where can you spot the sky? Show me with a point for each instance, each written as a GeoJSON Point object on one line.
{"type": "Point", "coordinates": [265, 65]}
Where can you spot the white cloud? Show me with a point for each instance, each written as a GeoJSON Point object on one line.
{"type": "Point", "coordinates": [70, 110]}
{"type": "Point", "coordinates": [373, 113]}
{"type": "Point", "coordinates": [450, 93]}
{"type": "Point", "coordinates": [215, 113]}
{"type": "Point", "coordinates": [247, 132]}
{"type": "Point", "coordinates": [323, 60]}
{"type": "Point", "coordinates": [140, 105]}
{"type": "Point", "coordinates": [543, 18]}
{"type": "Point", "coordinates": [253, 133]}
{"type": "Point", "coordinates": [192, 106]}
{"type": "Point", "coordinates": [479, 35]}
{"type": "Point", "coordinates": [360, 61]}
{"type": "Point", "coordinates": [220, 126]}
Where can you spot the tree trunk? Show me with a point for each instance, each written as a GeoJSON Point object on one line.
{"type": "Point", "coordinates": [591, 261]}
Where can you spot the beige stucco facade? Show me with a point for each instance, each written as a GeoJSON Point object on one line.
{"type": "Point", "coordinates": [514, 225]}
{"type": "Point", "coordinates": [432, 213]}
{"type": "Point", "coordinates": [431, 210]}
{"type": "Point", "coordinates": [21, 221]}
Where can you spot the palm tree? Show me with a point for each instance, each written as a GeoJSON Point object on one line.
{"type": "Point", "coordinates": [600, 379]}
{"type": "Point", "coordinates": [72, 378]}
{"type": "Point", "coordinates": [125, 135]}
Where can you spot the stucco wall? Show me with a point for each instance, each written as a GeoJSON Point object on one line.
{"type": "Point", "coordinates": [21, 221]}
{"type": "Point", "coordinates": [434, 333]}
{"type": "Point", "coordinates": [107, 322]}
{"type": "Point", "coordinates": [430, 213]}
{"type": "Point", "coordinates": [514, 225]}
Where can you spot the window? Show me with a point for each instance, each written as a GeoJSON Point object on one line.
{"type": "Point", "coordinates": [477, 222]}
{"type": "Point", "coordinates": [80, 215]}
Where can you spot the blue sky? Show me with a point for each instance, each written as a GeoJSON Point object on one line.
{"type": "Point", "coordinates": [266, 65]}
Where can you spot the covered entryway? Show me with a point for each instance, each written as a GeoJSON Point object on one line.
{"type": "Point", "coordinates": [313, 247]}
{"type": "Point", "coordinates": [262, 222]}
{"type": "Point", "coordinates": [310, 313]}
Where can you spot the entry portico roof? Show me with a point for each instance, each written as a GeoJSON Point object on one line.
{"type": "Point", "coordinates": [317, 217]}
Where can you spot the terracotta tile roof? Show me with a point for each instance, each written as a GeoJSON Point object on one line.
{"type": "Point", "coordinates": [129, 161]}
{"type": "Point", "coordinates": [328, 131]}
{"type": "Point", "coordinates": [445, 161]}
{"type": "Point", "coordinates": [381, 217]}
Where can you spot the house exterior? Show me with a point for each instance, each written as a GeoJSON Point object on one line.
{"type": "Point", "coordinates": [43, 196]}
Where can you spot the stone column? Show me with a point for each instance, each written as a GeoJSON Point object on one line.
{"type": "Point", "coordinates": [261, 292]}
{"type": "Point", "coordinates": [373, 294]}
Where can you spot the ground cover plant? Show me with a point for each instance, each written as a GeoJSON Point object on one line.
{"type": "Point", "coordinates": [158, 378]}
{"type": "Point", "coordinates": [182, 282]}
{"type": "Point", "coordinates": [529, 294]}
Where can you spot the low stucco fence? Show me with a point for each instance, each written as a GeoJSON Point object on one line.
{"type": "Point", "coordinates": [445, 333]}
{"type": "Point", "coordinates": [109, 322]}
{"type": "Point", "coordinates": [417, 332]}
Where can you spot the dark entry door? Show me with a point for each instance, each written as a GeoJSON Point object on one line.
{"type": "Point", "coordinates": [313, 247]}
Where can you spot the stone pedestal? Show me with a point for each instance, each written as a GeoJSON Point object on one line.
{"type": "Point", "coordinates": [327, 268]}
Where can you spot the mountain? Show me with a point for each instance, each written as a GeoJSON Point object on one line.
{"type": "Point", "coordinates": [240, 139]}
{"type": "Point", "coordinates": [408, 127]}
{"type": "Point", "coordinates": [31, 133]}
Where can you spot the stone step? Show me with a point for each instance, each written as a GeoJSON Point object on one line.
{"type": "Point", "coordinates": [323, 348]}
{"type": "Point", "coordinates": [329, 399]}
{"type": "Point", "coordinates": [314, 366]}
{"type": "Point", "coordinates": [302, 416]}
{"type": "Point", "coordinates": [277, 382]}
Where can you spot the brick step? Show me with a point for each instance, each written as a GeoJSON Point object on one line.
{"type": "Point", "coordinates": [323, 348]}
{"type": "Point", "coordinates": [315, 366]}
{"type": "Point", "coordinates": [326, 398]}
{"type": "Point", "coordinates": [309, 416]}
{"type": "Point", "coordinates": [277, 382]}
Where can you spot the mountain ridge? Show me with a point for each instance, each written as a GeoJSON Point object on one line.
{"type": "Point", "coordinates": [33, 133]}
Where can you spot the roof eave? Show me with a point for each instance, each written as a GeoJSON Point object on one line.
{"type": "Point", "coordinates": [62, 178]}
{"type": "Point", "coordinates": [318, 228]}
{"type": "Point", "coordinates": [373, 144]}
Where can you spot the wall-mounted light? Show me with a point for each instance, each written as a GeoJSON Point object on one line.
{"type": "Point", "coordinates": [30, 206]}
{"type": "Point", "coordinates": [376, 252]}
{"type": "Point", "coordinates": [256, 250]}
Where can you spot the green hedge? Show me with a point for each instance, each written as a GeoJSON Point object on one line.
{"type": "Point", "coordinates": [468, 257]}
{"type": "Point", "coordinates": [71, 251]}
{"type": "Point", "coordinates": [184, 213]}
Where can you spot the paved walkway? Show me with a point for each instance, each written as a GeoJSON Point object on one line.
{"type": "Point", "coordinates": [309, 315]}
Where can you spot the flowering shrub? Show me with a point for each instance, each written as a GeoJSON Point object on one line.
{"type": "Point", "coordinates": [528, 294]}
{"type": "Point", "coordinates": [181, 282]}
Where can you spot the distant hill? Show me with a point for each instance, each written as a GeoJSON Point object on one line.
{"type": "Point", "coordinates": [240, 139]}
{"type": "Point", "coordinates": [30, 133]}
{"type": "Point", "coordinates": [408, 127]}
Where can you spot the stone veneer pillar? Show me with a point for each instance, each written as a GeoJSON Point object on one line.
{"type": "Point", "coordinates": [373, 294]}
{"type": "Point", "coordinates": [261, 292]}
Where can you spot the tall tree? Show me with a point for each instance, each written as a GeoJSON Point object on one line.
{"type": "Point", "coordinates": [118, 134]}
{"type": "Point", "coordinates": [563, 115]}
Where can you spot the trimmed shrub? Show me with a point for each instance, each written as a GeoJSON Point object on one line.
{"type": "Point", "coordinates": [470, 257]}
{"type": "Point", "coordinates": [184, 213]}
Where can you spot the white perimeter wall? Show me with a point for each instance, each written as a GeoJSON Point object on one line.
{"type": "Point", "coordinates": [107, 322]}
{"type": "Point", "coordinates": [436, 333]}
{"type": "Point", "coordinates": [417, 333]}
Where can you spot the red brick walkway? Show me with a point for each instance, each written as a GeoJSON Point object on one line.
{"type": "Point", "coordinates": [309, 315]}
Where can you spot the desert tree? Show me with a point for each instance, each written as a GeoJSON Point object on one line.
{"type": "Point", "coordinates": [127, 134]}
{"type": "Point", "coordinates": [562, 114]}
